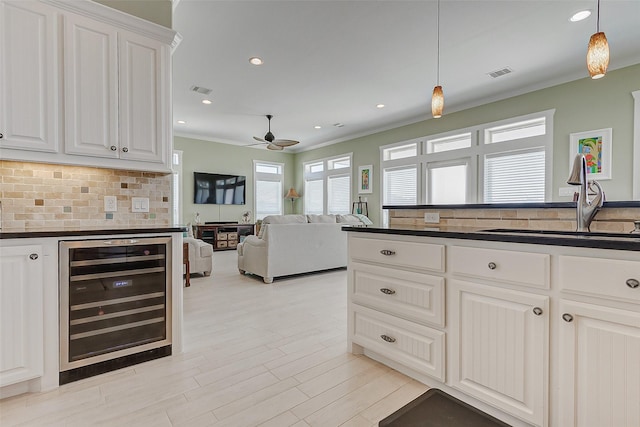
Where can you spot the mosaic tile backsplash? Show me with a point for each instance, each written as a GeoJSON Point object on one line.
{"type": "Point", "coordinates": [38, 195]}
{"type": "Point", "coordinates": [612, 220]}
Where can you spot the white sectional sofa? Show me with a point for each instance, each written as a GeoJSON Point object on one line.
{"type": "Point", "coordinates": [293, 244]}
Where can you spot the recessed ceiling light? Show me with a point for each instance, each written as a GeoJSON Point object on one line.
{"type": "Point", "coordinates": [206, 101]}
{"type": "Point", "coordinates": [579, 16]}
{"type": "Point", "coordinates": [256, 61]}
{"type": "Point", "coordinates": [380, 106]}
{"type": "Point", "coordinates": [182, 122]}
{"type": "Point", "coordinates": [317, 127]}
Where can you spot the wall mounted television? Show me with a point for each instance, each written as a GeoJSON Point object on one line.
{"type": "Point", "coordinates": [218, 189]}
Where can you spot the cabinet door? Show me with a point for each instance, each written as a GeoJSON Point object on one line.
{"type": "Point", "coordinates": [499, 348]}
{"type": "Point", "coordinates": [144, 103]}
{"type": "Point", "coordinates": [28, 76]}
{"type": "Point", "coordinates": [599, 366]}
{"type": "Point", "coordinates": [91, 87]}
{"type": "Point", "coordinates": [21, 328]}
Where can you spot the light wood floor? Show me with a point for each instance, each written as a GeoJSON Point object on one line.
{"type": "Point", "coordinates": [255, 354]}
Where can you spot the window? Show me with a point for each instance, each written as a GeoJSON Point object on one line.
{"type": "Point", "coordinates": [500, 162]}
{"type": "Point", "coordinates": [334, 175]}
{"type": "Point", "coordinates": [268, 180]}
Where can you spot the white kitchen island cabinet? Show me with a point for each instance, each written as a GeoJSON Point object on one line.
{"type": "Point", "coordinates": [537, 331]}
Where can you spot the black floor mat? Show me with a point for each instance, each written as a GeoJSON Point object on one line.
{"type": "Point", "coordinates": [435, 408]}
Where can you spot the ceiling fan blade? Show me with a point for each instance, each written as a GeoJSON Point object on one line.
{"type": "Point", "coordinates": [275, 147]}
{"type": "Point", "coordinates": [260, 139]}
{"type": "Point", "coordinates": [285, 142]}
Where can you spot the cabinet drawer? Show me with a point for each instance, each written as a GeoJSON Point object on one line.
{"type": "Point", "coordinates": [608, 278]}
{"type": "Point", "coordinates": [423, 256]}
{"type": "Point", "coordinates": [221, 244]}
{"type": "Point", "coordinates": [415, 346]}
{"type": "Point", "coordinates": [232, 236]}
{"type": "Point", "coordinates": [222, 236]}
{"type": "Point", "coordinates": [521, 268]}
{"type": "Point", "coordinates": [414, 296]}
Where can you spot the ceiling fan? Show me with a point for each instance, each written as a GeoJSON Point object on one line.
{"type": "Point", "coordinates": [272, 142]}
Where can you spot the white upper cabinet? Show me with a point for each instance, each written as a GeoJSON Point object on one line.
{"type": "Point", "coordinates": [91, 87]}
{"type": "Point", "coordinates": [28, 76]}
{"type": "Point", "coordinates": [89, 75]}
{"type": "Point", "coordinates": [116, 87]}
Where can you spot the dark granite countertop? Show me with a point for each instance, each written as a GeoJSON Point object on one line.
{"type": "Point", "coordinates": [619, 241]}
{"type": "Point", "coordinates": [85, 231]}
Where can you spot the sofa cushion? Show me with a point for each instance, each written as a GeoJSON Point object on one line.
{"type": "Point", "coordinates": [323, 219]}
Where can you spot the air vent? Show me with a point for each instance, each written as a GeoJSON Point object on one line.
{"type": "Point", "coordinates": [499, 73]}
{"type": "Point", "coordinates": [200, 89]}
{"type": "Point", "coordinates": [338, 125]}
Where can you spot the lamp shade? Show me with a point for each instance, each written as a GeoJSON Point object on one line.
{"type": "Point", "coordinates": [437, 102]}
{"type": "Point", "coordinates": [292, 194]}
{"type": "Point", "coordinates": [598, 55]}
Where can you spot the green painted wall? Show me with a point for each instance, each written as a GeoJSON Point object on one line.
{"type": "Point", "coordinates": [157, 11]}
{"type": "Point", "coordinates": [214, 157]}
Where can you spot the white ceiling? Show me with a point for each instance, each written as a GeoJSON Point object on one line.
{"type": "Point", "coordinates": [328, 62]}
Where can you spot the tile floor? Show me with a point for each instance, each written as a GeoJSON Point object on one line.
{"type": "Point", "coordinates": [255, 355]}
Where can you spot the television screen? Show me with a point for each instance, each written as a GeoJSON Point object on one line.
{"type": "Point", "coordinates": [218, 189]}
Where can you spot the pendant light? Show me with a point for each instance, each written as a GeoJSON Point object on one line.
{"type": "Point", "coordinates": [437, 98]}
{"type": "Point", "coordinates": [598, 52]}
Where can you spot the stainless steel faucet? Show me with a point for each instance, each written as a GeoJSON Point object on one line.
{"type": "Point", "coordinates": [586, 209]}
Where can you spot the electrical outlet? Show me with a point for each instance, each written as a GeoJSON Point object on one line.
{"type": "Point", "coordinates": [110, 204]}
{"type": "Point", "coordinates": [139, 204]}
{"type": "Point", "coordinates": [432, 217]}
{"type": "Point", "coordinates": [566, 191]}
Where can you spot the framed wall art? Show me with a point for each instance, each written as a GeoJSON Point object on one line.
{"type": "Point", "coordinates": [365, 179]}
{"type": "Point", "coordinates": [596, 147]}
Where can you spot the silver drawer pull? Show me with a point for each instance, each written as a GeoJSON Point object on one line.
{"type": "Point", "coordinates": [492, 265]}
{"type": "Point", "coordinates": [387, 291]}
{"type": "Point", "coordinates": [567, 317]}
{"type": "Point", "coordinates": [33, 257]}
{"type": "Point", "coordinates": [537, 311]}
{"type": "Point", "coordinates": [633, 283]}
{"type": "Point", "coordinates": [387, 338]}
{"type": "Point", "coordinates": [387, 252]}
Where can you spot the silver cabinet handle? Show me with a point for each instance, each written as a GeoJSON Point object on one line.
{"type": "Point", "coordinates": [125, 149]}
{"type": "Point", "coordinates": [492, 265]}
{"type": "Point", "coordinates": [387, 338]}
{"type": "Point", "coordinates": [1, 136]}
{"type": "Point", "coordinates": [387, 291]}
{"type": "Point", "coordinates": [567, 317]}
{"type": "Point", "coordinates": [387, 252]}
{"type": "Point", "coordinates": [537, 311]}
{"type": "Point", "coordinates": [113, 148]}
{"type": "Point", "coordinates": [633, 283]}
{"type": "Point", "coordinates": [33, 257]}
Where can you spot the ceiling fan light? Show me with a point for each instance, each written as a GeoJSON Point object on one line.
{"type": "Point", "coordinates": [598, 55]}
{"type": "Point", "coordinates": [437, 102]}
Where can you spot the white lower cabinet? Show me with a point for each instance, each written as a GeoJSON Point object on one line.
{"type": "Point", "coordinates": [499, 347]}
{"type": "Point", "coordinates": [599, 366]}
{"type": "Point", "coordinates": [21, 313]}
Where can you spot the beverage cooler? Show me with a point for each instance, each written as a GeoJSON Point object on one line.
{"type": "Point", "coordinates": [115, 304]}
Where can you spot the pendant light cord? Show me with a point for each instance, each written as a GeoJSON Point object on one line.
{"type": "Point", "coordinates": [438, 30]}
{"type": "Point", "coordinates": [598, 19]}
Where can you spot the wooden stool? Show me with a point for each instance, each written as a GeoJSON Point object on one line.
{"type": "Point", "coordinates": [185, 262]}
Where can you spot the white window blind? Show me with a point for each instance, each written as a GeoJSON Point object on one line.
{"type": "Point", "coordinates": [313, 194]}
{"type": "Point", "coordinates": [400, 185]}
{"type": "Point", "coordinates": [515, 177]}
{"type": "Point", "coordinates": [268, 179]}
{"type": "Point", "coordinates": [338, 193]}
{"type": "Point", "coordinates": [448, 184]}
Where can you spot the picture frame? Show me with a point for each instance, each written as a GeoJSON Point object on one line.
{"type": "Point", "coordinates": [596, 146]}
{"type": "Point", "coordinates": [365, 179]}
